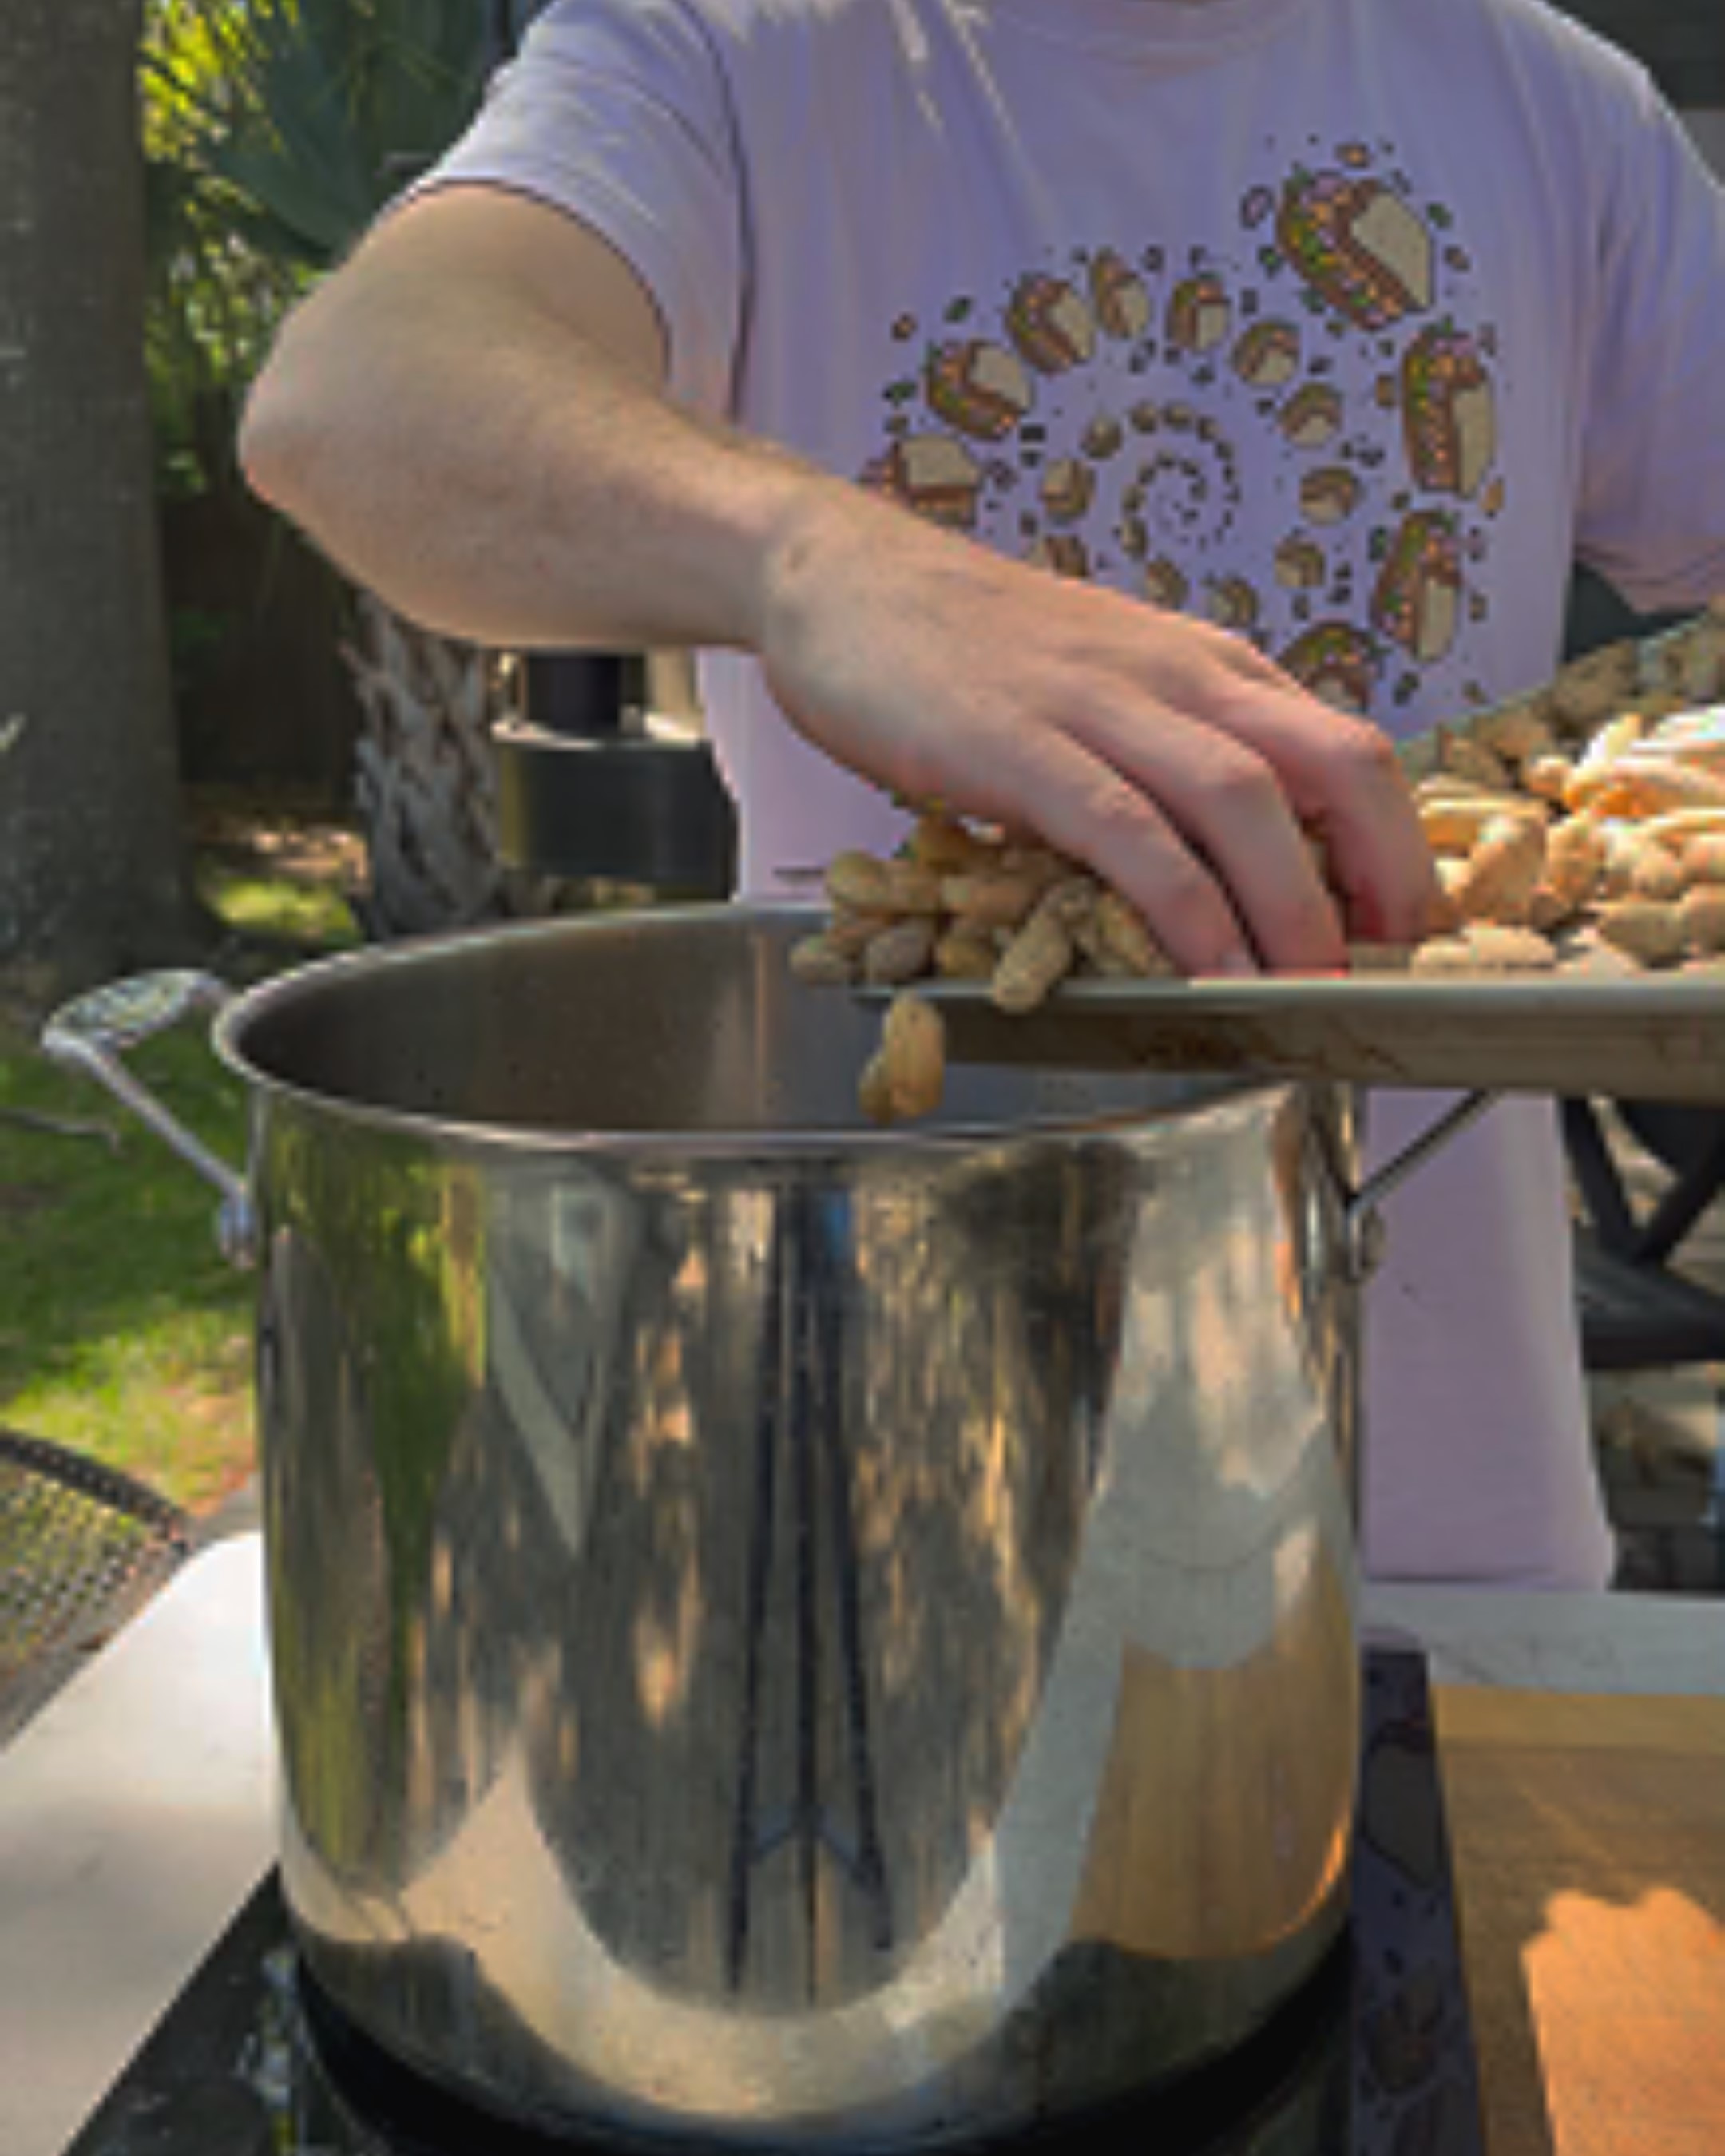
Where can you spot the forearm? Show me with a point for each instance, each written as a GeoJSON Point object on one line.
{"type": "Point", "coordinates": [496, 476]}
{"type": "Point", "coordinates": [466, 419]}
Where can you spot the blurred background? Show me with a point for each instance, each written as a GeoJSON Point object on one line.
{"type": "Point", "coordinates": [212, 749]}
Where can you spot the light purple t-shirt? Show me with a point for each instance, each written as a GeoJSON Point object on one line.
{"type": "Point", "coordinates": [1346, 323]}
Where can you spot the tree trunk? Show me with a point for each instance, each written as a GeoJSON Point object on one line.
{"type": "Point", "coordinates": [424, 785]}
{"type": "Point", "coordinates": [91, 861]}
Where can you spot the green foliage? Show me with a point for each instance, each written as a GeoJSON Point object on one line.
{"type": "Point", "coordinates": [308, 115]}
{"type": "Point", "coordinates": [274, 131]}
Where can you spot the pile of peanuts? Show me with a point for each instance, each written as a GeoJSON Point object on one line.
{"type": "Point", "coordinates": [961, 905]}
{"type": "Point", "coordinates": [1580, 830]}
{"type": "Point", "coordinates": [1583, 828]}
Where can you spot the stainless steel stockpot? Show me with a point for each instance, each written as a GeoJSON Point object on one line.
{"type": "Point", "coordinates": [784, 1632]}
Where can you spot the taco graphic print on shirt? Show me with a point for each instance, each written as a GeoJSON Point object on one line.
{"type": "Point", "coordinates": [1291, 430]}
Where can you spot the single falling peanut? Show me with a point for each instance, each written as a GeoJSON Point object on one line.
{"type": "Point", "coordinates": [913, 1056]}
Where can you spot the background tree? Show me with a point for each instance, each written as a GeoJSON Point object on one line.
{"type": "Point", "coordinates": [91, 867]}
{"type": "Point", "coordinates": [280, 129]}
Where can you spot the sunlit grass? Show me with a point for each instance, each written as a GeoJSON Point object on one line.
{"type": "Point", "coordinates": [123, 1333]}
{"type": "Point", "coordinates": [169, 1404]}
{"type": "Point", "coordinates": [314, 914]}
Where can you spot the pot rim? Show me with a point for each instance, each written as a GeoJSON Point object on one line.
{"type": "Point", "coordinates": [253, 1006]}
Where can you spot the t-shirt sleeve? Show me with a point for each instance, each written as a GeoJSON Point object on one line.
{"type": "Point", "coordinates": [616, 111]}
{"type": "Point", "coordinates": [1652, 513]}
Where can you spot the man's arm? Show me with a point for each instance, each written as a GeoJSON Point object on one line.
{"type": "Point", "coordinates": [469, 417]}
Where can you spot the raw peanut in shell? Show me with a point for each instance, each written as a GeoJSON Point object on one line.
{"type": "Point", "coordinates": [1702, 912]}
{"type": "Point", "coordinates": [1678, 826]}
{"type": "Point", "coordinates": [1615, 738]}
{"type": "Point", "coordinates": [1073, 902]}
{"type": "Point", "coordinates": [1701, 749]}
{"type": "Point", "coordinates": [965, 955]}
{"type": "Point", "coordinates": [822, 961]}
{"type": "Point", "coordinates": [1041, 863]}
{"type": "Point", "coordinates": [901, 953]}
{"type": "Point", "coordinates": [1547, 910]}
{"type": "Point", "coordinates": [1623, 850]}
{"type": "Point", "coordinates": [1443, 955]}
{"type": "Point", "coordinates": [941, 843]}
{"type": "Point", "coordinates": [1638, 785]}
{"type": "Point", "coordinates": [1502, 873]}
{"type": "Point", "coordinates": [991, 898]}
{"type": "Point", "coordinates": [913, 1050]}
{"type": "Point", "coordinates": [912, 888]}
{"type": "Point", "coordinates": [874, 1089]}
{"type": "Point", "coordinates": [859, 881]}
{"type": "Point", "coordinates": [1495, 949]}
{"type": "Point", "coordinates": [1456, 825]}
{"type": "Point", "coordinates": [1691, 658]}
{"type": "Point", "coordinates": [1446, 785]}
{"type": "Point", "coordinates": [1037, 958]}
{"type": "Point", "coordinates": [1516, 731]}
{"type": "Point", "coordinates": [1575, 860]}
{"type": "Point", "coordinates": [1704, 858]}
{"type": "Point", "coordinates": [1585, 953]}
{"type": "Point", "coordinates": [1472, 759]}
{"type": "Point", "coordinates": [1644, 928]}
{"type": "Point", "coordinates": [1548, 777]}
{"type": "Point", "coordinates": [1451, 868]}
{"type": "Point", "coordinates": [851, 932]}
{"type": "Point", "coordinates": [1126, 935]}
{"type": "Point", "coordinates": [1094, 954]}
{"type": "Point", "coordinates": [1591, 688]}
{"type": "Point", "coordinates": [1658, 873]}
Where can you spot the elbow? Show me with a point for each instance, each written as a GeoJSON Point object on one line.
{"type": "Point", "coordinates": [273, 445]}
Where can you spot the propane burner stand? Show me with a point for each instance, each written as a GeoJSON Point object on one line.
{"type": "Point", "coordinates": [1373, 2056]}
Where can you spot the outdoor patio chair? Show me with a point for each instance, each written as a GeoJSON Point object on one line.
{"type": "Point", "coordinates": [82, 1547]}
{"type": "Point", "coordinates": [1639, 1309]}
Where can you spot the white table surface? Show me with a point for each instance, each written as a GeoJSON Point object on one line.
{"type": "Point", "coordinates": [137, 1809]}
{"type": "Point", "coordinates": [136, 1812]}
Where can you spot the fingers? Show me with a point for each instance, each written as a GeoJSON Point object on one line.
{"type": "Point", "coordinates": [1341, 776]}
{"type": "Point", "coordinates": [1233, 890]}
{"type": "Point", "coordinates": [1229, 805]}
{"type": "Point", "coordinates": [1250, 769]}
{"type": "Point", "coordinates": [1175, 760]}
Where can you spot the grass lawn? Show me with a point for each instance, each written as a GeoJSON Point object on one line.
{"type": "Point", "coordinates": [123, 1333]}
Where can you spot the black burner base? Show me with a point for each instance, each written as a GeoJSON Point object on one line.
{"type": "Point", "coordinates": [1373, 2057]}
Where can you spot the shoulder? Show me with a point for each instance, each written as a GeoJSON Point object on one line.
{"type": "Point", "coordinates": [720, 22]}
{"type": "Point", "coordinates": [1556, 51]}
{"type": "Point", "coordinates": [1569, 95]}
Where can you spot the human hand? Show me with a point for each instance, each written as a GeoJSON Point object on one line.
{"type": "Point", "coordinates": [1174, 759]}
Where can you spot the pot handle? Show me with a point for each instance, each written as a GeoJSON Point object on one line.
{"type": "Point", "coordinates": [91, 1034]}
{"type": "Point", "coordinates": [1363, 1227]}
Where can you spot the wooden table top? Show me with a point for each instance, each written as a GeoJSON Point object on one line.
{"type": "Point", "coordinates": [1588, 1835]}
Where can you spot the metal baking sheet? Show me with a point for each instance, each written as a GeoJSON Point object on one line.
{"type": "Point", "coordinates": [1656, 1037]}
